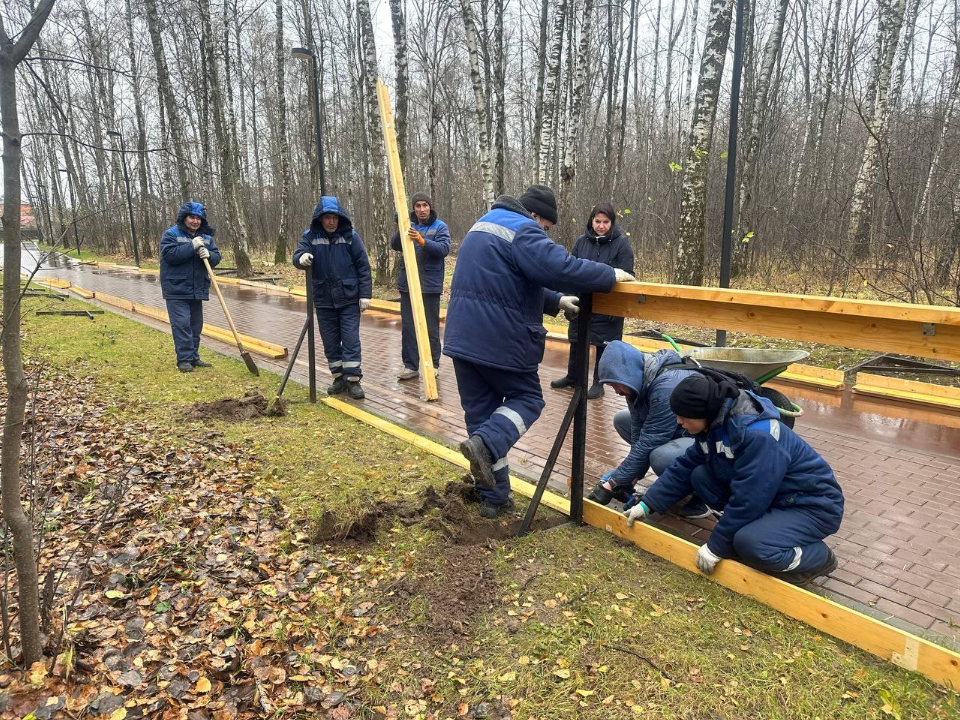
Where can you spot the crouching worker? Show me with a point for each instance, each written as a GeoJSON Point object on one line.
{"type": "Point", "coordinates": [342, 288]}
{"type": "Point", "coordinates": [646, 381]}
{"type": "Point", "coordinates": [776, 497]}
{"type": "Point", "coordinates": [184, 280]}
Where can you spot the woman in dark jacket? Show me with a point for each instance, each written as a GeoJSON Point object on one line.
{"type": "Point", "coordinates": [602, 242]}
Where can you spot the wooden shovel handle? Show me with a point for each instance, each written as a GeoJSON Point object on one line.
{"type": "Point", "coordinates": [223, 304]}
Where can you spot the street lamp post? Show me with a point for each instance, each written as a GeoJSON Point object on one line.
{"type": "Point", "coordinates": [73, 210]}
{"type": "Point", "coordinates": [304, 54]}
{"type": "Point", "coordinates": [126, 182]}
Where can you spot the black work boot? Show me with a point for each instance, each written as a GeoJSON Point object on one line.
{"type": "Point", "coordinates": [564, 382]}
{"type": "Point", "coordinates": [481, 461]}
{"type": "Point", "coordinates": [184, 367]}
{"type": "Point", "coordinates": [595, 392]}
{"type": "Point", "coordinates": [200, 363]}
{"type": "Point", "coordinates": [354, 390]}
{"type": "Point", "coordinates": [338, 386]}
{"type": "Point", "coordinates": [805, 577]}
{"type": "Point", "coordinates": [491, 512]}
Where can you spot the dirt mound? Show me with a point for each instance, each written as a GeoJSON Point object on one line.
{"type": "Point", "coordinates": [252, 405]}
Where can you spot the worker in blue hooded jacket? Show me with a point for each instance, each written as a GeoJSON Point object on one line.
{"type": "Point", "coordinates": [342, 288]}
{"type": "Point", "coordinates": [494, 331]}
{"type": "Point", "coordinates": [776, 497]}
{"type": "Point", "coordinates": [646, 380]}
{"type": "Point", "coordinates": [184, 280]}
{"type": "Point", "coordinates": [431, 243]}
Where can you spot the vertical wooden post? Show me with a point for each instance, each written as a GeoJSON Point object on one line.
{"type": "Point", "coordinates": [409, 254]}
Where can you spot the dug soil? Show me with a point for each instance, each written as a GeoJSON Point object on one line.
{"type": "Point", "coordinates": [251, 406]}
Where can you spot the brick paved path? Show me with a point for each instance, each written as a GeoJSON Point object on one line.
{"type": "Point", "coordinates": [899, 545]}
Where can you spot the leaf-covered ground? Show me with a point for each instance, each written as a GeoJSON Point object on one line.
{"type": "Point", "coordinates": [308, 566]}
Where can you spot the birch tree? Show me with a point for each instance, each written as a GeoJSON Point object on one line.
{"type": "Point", "coordinates": [280, 57]}
{"type": "Point", "coordinates": [399, 24]}
{"type": "Point", "coordinates": [479, 99]}
{"type": "Point", "coordinates": [551, 82]}
{"type": "Point", "coordinates": [693, 191]}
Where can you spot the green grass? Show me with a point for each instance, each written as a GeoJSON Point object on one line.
{"type": "Point", "coordinates": [567, 608]}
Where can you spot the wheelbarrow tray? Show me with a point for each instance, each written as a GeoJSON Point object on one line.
{"type": "Point", "coordinates": [758, 364]}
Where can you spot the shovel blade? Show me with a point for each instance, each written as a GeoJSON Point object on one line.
{"type": "Point", "coordinates": [251, 365]}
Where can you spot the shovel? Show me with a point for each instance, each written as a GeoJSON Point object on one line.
{"type": "Point", "coordinates": [251, 365]}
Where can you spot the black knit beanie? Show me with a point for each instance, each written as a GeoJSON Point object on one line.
{"type": "Point", "coordinates": [540, 199]}
{"type": "Point", "coordinates": [421, 197]}
{"type": "Point", "coordinates": [701, 397]}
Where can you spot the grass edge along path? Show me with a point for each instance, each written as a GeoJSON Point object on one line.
{"type": "Point", "coordinates": [885, 641]}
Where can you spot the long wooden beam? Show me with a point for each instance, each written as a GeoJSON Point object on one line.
{"type": "Point", "coordinates": [427, 374]}
{"type": "Point", "coordinates": [885, 641]}
{"type": "Point", "coordinates": [922, 330]}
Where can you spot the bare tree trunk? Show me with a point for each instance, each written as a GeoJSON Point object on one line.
{"type": "Point", "coordinates": [576, 109]}
{"type": "Point", "coordinates": [403, 76]}
{"type": "Point", "coordinates": [747, 223]}
{"type": "Point", "coordinates": [627, 65]}
{"type": "Point", "coordinates": [552, 78]}
{"type": "Point", "coordinates": [693, 191]}
{"type": "Point", "coordinates": [861, 204]}
{"type": "Point", "coordinates": [480, 101]}
{"type": "Point", "coordinates": [498, 105]}
{"type": "Point", "coordinates": [280, 254]}
{"type": "Point", "coordinates": [170, 105]}
{"type": "Point", "coordinates": [142, 164]}
{"type": "Point", "coordinates": [686, 117]}
{"type": "Point", "coordinates": [21, 529]}
{"type": "Point", "coordinates": [378, 188]}
{"type": "Point", "coordinates": [228, 177]}
{"type": "Point", "coordinates": [541, 90]}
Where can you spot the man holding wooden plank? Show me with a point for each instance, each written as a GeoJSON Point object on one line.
{"type": "Point", "coordinates": [495, 332]}
{"type": "Point", "coordinates": [431, 240]}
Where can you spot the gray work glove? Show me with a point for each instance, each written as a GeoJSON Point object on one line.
{"type": "Point", "coordinates": [623, 275]}
{"type": "Point", "coordinates": [364, 304]}
{"type": "Point", "coordinates": [197, 243]}
{"type": "Point", "coordinates": [203, 252]}
{"type": "Point", "coordinates": [306, 260]}
{"type": "Point", "coordinates": [706, 560]}
{"type": "Point", "coordinates": [635, 511]}
{"type": "Point", "coordinates": [570, 304]}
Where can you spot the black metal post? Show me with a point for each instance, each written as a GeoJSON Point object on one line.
{"type": "Point", "coordinates": [293, 359]}
{"type": "Point", "coordinates": [726, 243]}
{"type": "Point", "coordinates": [126, 182]}
{"type": "Point", "coordinates": [318, 118]}
{"type": "Point", "coordinates": [582, 362]}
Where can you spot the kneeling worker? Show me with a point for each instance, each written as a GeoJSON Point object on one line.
{"type": "Point", "coordinates": [778, 498]}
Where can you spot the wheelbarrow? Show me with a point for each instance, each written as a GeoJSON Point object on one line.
{"type": "Point", "coordinates": [757, 364]}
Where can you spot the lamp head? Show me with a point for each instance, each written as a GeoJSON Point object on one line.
{"type": "Point", "coordinates": [301, 53]}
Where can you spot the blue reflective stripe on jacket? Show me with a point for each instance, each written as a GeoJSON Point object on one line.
{"type": "Point", "coordinates": [757, 463]}
{"type": "Point", "coordinates": [430, 256]}
{"type": "Point", "coordinates": [340, 270]}
{"type": "Point", "coordinates": [182, 273]}
{"type": "Point", "coordinates": [498, 296]}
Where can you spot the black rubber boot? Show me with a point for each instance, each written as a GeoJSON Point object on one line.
{"type": "Point", "coordinates": [338, 386]}
{"type": "Point", "coordinates": [595, 392]}
{"type": "Point", "coordinates": [355, 391]}
{"type": "Point", "coordinates": [564, 382]}
{"type": "Point", "coordinates": [481, 461]}
{"type": "Point", "coordinates": [808, 576]}
{"type": "Point", "coordinates": [201, 363]}
{"type": "Point", "coordinates": [492, 512]}
{"type": "Point", "coordinates": [185, 367]}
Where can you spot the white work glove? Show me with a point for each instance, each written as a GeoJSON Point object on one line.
{"type": "Point", "coordinates": [623, 275]}
{"type": "Point", "coordinates": [203, 252]}
{"type": "Point", "coordinates": [570, 304]}
{"type": "Point", "coordinates": [364, 304]}
{"type": "Point", "coordinates": [197, 243]}
{"type": "Point", "coordinates": [306, 260]}
{"type": "Point", "coordinates": [706, 560]}
{"type": "Point", "coordinates": [637, 512]}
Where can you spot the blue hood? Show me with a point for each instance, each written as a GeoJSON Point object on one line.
{"type": "Point", "coordinates": [195, 208]}
{"type": "Point", "coordinates": [624, 364]}
{"type": "Point", "coordinates": [739, 413]}
{"type": "Point", "coordinates": [329, 204]}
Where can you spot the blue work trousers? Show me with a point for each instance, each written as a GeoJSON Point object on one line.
{"type": "Point", "coordinates": [779, 541]}
{"type": "Point", "coordinates": [186, 322]}
{"type": "Point", "coordinates": [340, 333]}
{"type": "Point", "coordinates": [499, 406]}
{"type": "Point", "coordinates": [660, 458]}
{"type": "Point", "coordinates": [409, 352]}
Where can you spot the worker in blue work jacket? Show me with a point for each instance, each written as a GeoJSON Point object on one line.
{"type": "Point", "coordinates": [184, 280]}
{"type": "Point", "coordinates": [776, 498]}
{"type": "Point", "coordinates": [431, 242]}
{"type": "Point", "coordinates": [646, 381]}
{"type": "Point", "coordinates": [342, 288]}
{"type": "Point", "coordinates": [495, 334]}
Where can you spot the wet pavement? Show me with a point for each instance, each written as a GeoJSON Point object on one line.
{"type": "Point", "coordinates": [899, 466]}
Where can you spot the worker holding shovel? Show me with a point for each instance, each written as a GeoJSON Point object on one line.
{"type": "Point", "coordinates": [342, 288]}
{"type": "Point", "coordinates": [184, 280]}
